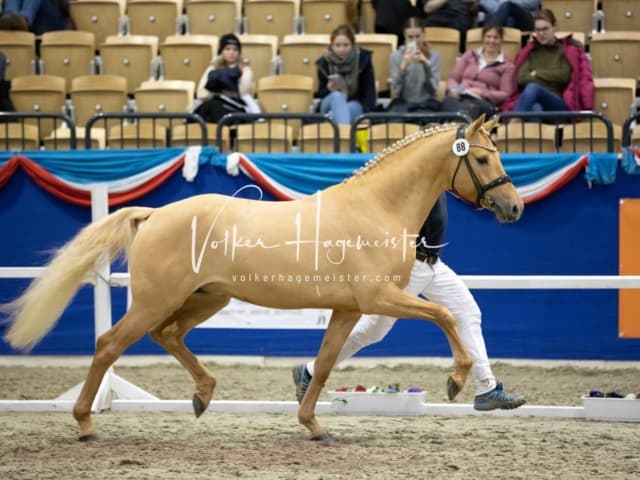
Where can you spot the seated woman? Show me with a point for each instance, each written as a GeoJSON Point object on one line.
{"type": "Point", "coordinates": [482, 79]}
{"type": "Point", "coordinates": [346, 82]}
{"type": "Point", "coordinates": [551, 73]}
{"type": "Point", "coordinates": [225, 87]}
{"type": "Point", "coordinates": [415, 72]}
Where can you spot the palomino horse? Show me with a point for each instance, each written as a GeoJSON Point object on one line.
{"type": "Point", "coordinates": [349, 248]}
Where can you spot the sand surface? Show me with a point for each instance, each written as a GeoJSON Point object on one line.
{"type": "Point", "coordinates": [268, 446]}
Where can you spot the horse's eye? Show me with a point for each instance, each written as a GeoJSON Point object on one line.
{"type": "Point", "coordinates": [483, 160]}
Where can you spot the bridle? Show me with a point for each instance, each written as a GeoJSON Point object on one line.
{"type": "Point", "coordinates": [481, 201]}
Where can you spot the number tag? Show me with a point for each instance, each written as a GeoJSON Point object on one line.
{"type": "Point", "coordinates": [460, 147]}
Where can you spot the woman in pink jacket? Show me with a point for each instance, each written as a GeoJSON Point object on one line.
{"type": "Point", "coordinates": [551, 73]}
{"type": "Point", "coordinates": [482, 79]}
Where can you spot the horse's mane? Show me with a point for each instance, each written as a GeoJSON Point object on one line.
{"type": "Point", "coordinates": [400, 144]}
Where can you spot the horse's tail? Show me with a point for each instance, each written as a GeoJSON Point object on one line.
{"type": "Point", "coordinates": [37, 310]}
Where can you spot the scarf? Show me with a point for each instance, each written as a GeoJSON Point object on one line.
{"type": "Point", "coordinates": [347, 67]}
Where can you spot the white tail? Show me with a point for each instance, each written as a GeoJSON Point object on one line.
{"type": "Point", "coordinates": [37, 310]}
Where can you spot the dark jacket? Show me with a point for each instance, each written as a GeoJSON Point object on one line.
{"type": "Point", "coordinates": [366, 80]}
{"type": "Point", "coordinates": [434, 227]}
{"type": "Point", "coordinates": [580, 92]}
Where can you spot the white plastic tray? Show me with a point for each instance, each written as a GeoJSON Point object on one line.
{"type": "Point", "coordinates": [377, 403]}
{"type": "Point", "coordinates": [620, 409]}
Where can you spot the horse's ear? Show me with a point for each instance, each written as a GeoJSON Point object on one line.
{"type": "Point", "coordinates": [477, 123]}
{"type": "Point", "coordinates": [490, 125]}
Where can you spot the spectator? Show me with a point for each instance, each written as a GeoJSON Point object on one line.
{"type": "Point", "coordinates": [511, 13]}
{"type": "Point", "coordinates": [346, 82]}
{"type": "Point", "coordinates": [391, 16]}
{"type": "Point", "coordinates": [225, 87]}
{"type": "Point", "coordinates": [38, 16]}
{"type": "Point", "coordinates": [551, 73]}
{"type": "Point", "coordinates": [482, 79]}
{"type": "Point", "coordinates": [436, 281]}
{"type": "Point", "coordinates": [447, 13]}
{"type": "Point", "coordinates": [415, 72]}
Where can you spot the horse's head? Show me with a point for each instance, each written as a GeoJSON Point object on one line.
{"type": "Point", "coordinates": [479, 176]}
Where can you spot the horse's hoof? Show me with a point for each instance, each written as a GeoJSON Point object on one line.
{"type": "Point", "coordinates": [453, 388]}
{"type": "Point", "coordinates": [198, 406]}
{"type": "Point", "coordinates": [91, 437]}
{"type": "Point", "coordinates": [323, 438]}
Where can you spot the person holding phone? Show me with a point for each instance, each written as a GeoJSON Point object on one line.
{"type": "Point", "coordinates": [415, 72]}
{"type": "Point", "coordinates": [345, 78]}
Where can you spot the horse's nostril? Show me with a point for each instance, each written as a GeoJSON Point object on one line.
{"type": "Point", "coordinates": [515, 210]}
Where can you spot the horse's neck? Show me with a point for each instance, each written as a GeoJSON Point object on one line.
{"type": "Point", "coordinates": [410, 180]}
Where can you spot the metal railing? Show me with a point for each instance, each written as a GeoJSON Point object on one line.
{"type": "Point", "coordinates": [297, 120]}
{"type": "Point", "coordinates": [422, 119]}
{"type": "Point", "coordinates": [57, 120]}
{"type": "Point", "coordinates": [564, 122]}
{"type": "Point", "coordinates": [627, 130]}
{"type": "Point", "coordinates": [139, 121]}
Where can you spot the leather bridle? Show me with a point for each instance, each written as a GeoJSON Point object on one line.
{"type": "Point", "coordinates": [481, 190]}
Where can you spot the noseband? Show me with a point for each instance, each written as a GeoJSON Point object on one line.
{"type": "Point", "coordinates": [480, 189]}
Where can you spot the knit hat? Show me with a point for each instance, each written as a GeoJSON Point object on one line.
{"type": "Point", "coordinates": [229, 39]}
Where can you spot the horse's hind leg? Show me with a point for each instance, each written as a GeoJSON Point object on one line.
{"type": "Point", "coordinates": [170, 335]}
{"type": "Point", "coordinates": [109, 347]}
{"type": "Point", "coordinates": [338, 330]}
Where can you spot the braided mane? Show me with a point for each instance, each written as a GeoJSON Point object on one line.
{"type": "Point", "coordinates": [398, 145]}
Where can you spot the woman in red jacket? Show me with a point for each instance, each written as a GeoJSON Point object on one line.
{"type": "Point", "coordinates": [551, 73]}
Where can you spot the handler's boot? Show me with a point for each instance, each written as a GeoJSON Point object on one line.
{"type": "Point", "coordinates": [497, 399]}
{"type": "Point", "coordinates": [302, 379]}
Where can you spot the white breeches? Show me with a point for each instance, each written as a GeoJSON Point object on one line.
{"type": "Point", "coordinates": [439, 284]}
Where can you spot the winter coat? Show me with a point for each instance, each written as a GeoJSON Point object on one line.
{"type": "Point", "coordinates": [580, 91]}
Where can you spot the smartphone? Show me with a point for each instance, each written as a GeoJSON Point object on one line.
{"type": "Point", "coordinates": [334, 76]}
{"type": "Point", "coordinates": [411, 46]}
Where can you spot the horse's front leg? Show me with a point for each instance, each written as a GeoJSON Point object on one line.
{"type": "Point", "coordinates": [397, 303]}
{"type": "Point", "coordinates": [338, 330]}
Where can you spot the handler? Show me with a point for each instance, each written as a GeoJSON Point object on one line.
{"type": "Point", "coordinates": [440, 284]}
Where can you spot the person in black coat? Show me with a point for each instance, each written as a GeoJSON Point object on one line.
{"type": "Point", "coordinates": [346, 82]}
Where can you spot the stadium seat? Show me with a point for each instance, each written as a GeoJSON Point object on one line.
{"type": "Point", "coordinates": [68, 54]}
{"type": "Point", "coordinates": [18, 136]}
{"type": "Point", "coordinates": [615, 54]}
{"type": "Point", "coordinates": [139, 135]}
{"type": "Point", "coordinates": [20, 50]}
{"type": "Point", "coordinates": [381, 45]}
{"type": "Point", "coordinates": [102, 17]}
{"type": "Point", "coordinates": [587, 137]}
{"type": "Point", "coordinates": [213, 17]}
{"type": "Point", "coordinates": [60, 139]}
{"type": "Point", "coordinates": [615, 98]}
{"type": "Point", "coordinates": [154, 17]}
{"type": "Point", "coordinates": [165, 96]}
{"type": "Point", "coordinates": [190, 134]}
{"type": "Point", "coordinates": [271, 17]}
{"type": "Point", "coordinates": [298, 54]}
{"type": "Point", "coordinates": [260, 53]}
{"type": "Point", "coordinates": [39, 94]}
{"type": "Point", "coordinates": [621, 15]}
{"type": "Point", "coordinates": [95, 94]}
{"type": "Point", "coordinates": [286, 94]}
{"type": "Point", "coordinates": [447, 42]}
{"type": "Point", "coordinates": [186, 57]}
{"type": "Point", "coordinates": [323, 16]}
{"type": "Point", "coordinates": [573, 15]}
{"type": "Point", "coordinates": [130, 57]}
{"type": "Point", "coordinates": [382, 135]}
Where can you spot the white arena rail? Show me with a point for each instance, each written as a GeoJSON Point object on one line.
{"type": "Point", "coordinates": [116, 393]}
